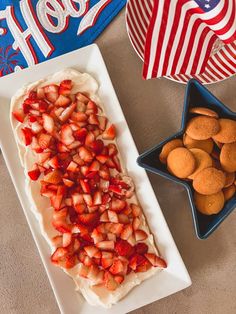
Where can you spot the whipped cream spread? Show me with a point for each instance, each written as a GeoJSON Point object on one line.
{"type": "Point", "coordinates": [94, 294]}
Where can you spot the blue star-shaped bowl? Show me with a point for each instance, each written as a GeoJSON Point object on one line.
{"type": "Point", "coordinates": [196, 96]}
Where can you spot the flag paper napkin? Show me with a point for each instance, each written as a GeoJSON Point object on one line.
{"type": "Point", "coordinates": [181, 35]}
{"type": "Point", "coordinates": [32, 31]}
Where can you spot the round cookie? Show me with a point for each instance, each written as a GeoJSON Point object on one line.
{"type": "Point", "coordinates": [181, 162]}
{"type": "Point", "coordinates": [227, 133]}
{"type": "Point", "coordinates": [229, 192]}
{"type": "Point", "coordinates": [209, 181]}
{"type": "Point", "coordinates": [230, 177]}
{"type": "Point", "coordinates": [202, 127]}
{"type": "Point", "coordinates": [209, 204]}
{"type": "Point", "coordinates": [206, 145]}
{"type": "Point", "coordinates": [228, 157]}
{"type": "Point", "coordinates": [168, 147]}
{"type": "Point", "coordinates": [203, 160]}
{"type": "Point", "coordinates": [204, 111]}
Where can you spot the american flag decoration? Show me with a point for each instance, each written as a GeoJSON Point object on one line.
{"type": "Point", "coordinates": [177, 37]}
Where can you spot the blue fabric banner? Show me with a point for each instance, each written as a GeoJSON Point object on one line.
{"type": "Point", "coordinates": [32, 31]}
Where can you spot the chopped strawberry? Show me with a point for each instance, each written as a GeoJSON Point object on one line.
{"type": "Point", "coordinates": [66, 239]}
{"type": "Point", "coordinates": [52, 97]}
{"type": "Point", "coordinates": [88, 219]}
{"type": "Point", "coordinates": [102, 122]}
{"type": "Point", "coordinates": [109, 281]}
{"type": "Point", "coordinates": [36, 127]}
{"type": "Point", "coordinates": [65, 87]}
{"type": "Point", "coordinates": [97, 236]}
{"type": "Point", "coordinates": [44, 140]}
{"type": "Point", "coordinates": [85, 154]}
{"type": "Point", "coordinates": [91, 250]}
{"type": "Point", "coordinates": [68, 182]}
{"type": "Point", "coordinates": [112, 216]}
{"type": "Point", "coordinates": [117, 267]}
{"type": "Point", "coordinates": [48, 123]}
{"type": "Point", "coordinates": [110, 163]}
{"type": "Point", "coordinates": [88, 199]}
{"type": "Point", "coordinates": [79, 116]}
{"type": "Point", "coordinates": [43, 105]}
{"type": "Point", "coordinates": [40, 93]}
{"type": "Point", "coordinates": [136, 261]}
{"type": "Point", "coordinates": [136, 223]}
{"type": "Point", "coordinates": [34, 174]}
{"type": "Point", "coordinates": [97, 146]}
{"type": "Point", "coordinates": [93, 119]}
{"type": "Point", "coordinates": [61, 226]}
{"type": "Point", "coordinates": [62, 148]}
{"type": "Point", "coordinates": [83, 270]}
{"type": "Point", "coordinates": [102, 158]}
{"type": "Point", "coordinates": [127, 232]}
{"type": "Point", "coordinates": [59, 254]}
{"type": "Point", "coordinates": [141, 248]}
{"type": "Point", "coordinates": [104, 172]}
{"type": "Point", "coordinates": [19, 115]}
{"type": "Point", "coordinates": [136, 210]}
{"type": "Point", "coordinates": [77, 198]}
{"type": "Point", "coordinates": [53, 177]}
{"type": "Point", "coordinates": [85, 186]}
{"type": "Point", "coordinates": [104, 217]}
{"type": "Point", "coordinates": [155, 260]}
{"type": "Point", "coordinates": [95, 166]}
{"type": "Point", "coordinates": [81, 97]}
{"type": "Point", "coordinates": [124, 219]}
{"type": "Point", "coordinates": [140, 235]}
{"type": "Point", "coordinates": [97, 198]}
{"type": "Point", "coordinates": [115, 228]}
{"type": "Point", "coordinates": [60, 215]}
{"type": "Point", "coordinates": [70, 261]}
{"type": "Point", "coordinates": [123, 248]}
{"type": "Point", "coordinates": [67, 135]}
{"type": "Point", "coordinates": [57, 241]}
{"type": "Point", "coordinates": [117, 205]}
{"type": "Point", "coordinates": [106, 245]}
{"type": "Point", "coordinates": [119, 278]}
{"type": "Point", "coordinates": [27, 136]}
{"type": "Point", "coordinates": [109, 133]}
{"type": "Point", "coordinates": [91, 107]}
{"type": "Point", "coordinates": [62, 101]}
{"type": "Point", "coordinates": [65, 115]}
{"type": "Point", "coordinates": [81, 134]}
{"type": "Point", "coordinates": [93, 273]}
{"type": "Point", "coordinates": [54, 162]}
{"type": "Point", "coordinates": [115, 189]}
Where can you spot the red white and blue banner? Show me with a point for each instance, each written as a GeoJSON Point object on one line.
{"type": "Point", "coordinates": [32, 31]}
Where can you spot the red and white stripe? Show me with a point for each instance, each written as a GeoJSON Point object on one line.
{"type": "Point", "coordinates": [220, 66]}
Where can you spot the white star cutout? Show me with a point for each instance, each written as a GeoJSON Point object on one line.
{"type": "Point", "coordinates": [207, 6]}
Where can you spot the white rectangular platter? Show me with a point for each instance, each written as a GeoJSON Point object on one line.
{"type": "Point", "coordinates": [164, 283]}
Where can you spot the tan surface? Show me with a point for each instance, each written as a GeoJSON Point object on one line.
{"type": "Point", "coordinates": [153, 111]}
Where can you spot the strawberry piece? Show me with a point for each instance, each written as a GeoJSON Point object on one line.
{"type": "Point", "coordinates": [117, 163]}
{"type": "Point", "coordinates": [109, 281]}
{"type": "Point", "coordinates": [81, 97]}
{"type": "Point", "coordinates": [83, 270]}
{"type": "Point", "coordinates": [51, 88]}
{"type": "Point", "coordinates": [91, 107]}
{"type": "Point", "coordinates": [115, 189]}
{"type": "Point", "coordinates": [84, 170]}
{"type": "Point", "coordinates": [109, 133]}
{"type": "Point", "coordinates": [97, 236]}
{"type": "Point", "coordinates": [136, 260]}
{"type": "Point", "coordinates": [91, 250]}
{"type": "Point", "coordinates": [65, 115]}
{"type": "Point", "coordinates": [68, 182]}
{"type": "Point", "coordinates": [102, 122]}
{"type": "Point", "coordinates": [67, 135]}
{"type": "Point", "coordinates": [70, 261]}
{"type": "Point", "coordinates": [43, 105]}
{"type": "Point", "coordinates": [40, 93]}
{"type": "Point", "coordinates": [34, 174]}
{"type": "Point", "coordinates": [44, 140]}
{"type": "Point", "coordinates": [51, 97]}
{"type": "Point", "coordinates": [93, 119]}
{"type": "Point", "coordinates": [136, 223]}
{"type": "Point", "coordinates": [117, 267]}
{"type": "Point", "coordinates": [27, 136]}
{"type": "Point", "coordinates": [60, 215]}
{"type": "Point", "coordinates": [119, 278]}
{"type": "Point", "coordinates": [136, 210]}
{"type": "Point", "coordinates": [61, 226]}
{"type": "Point", "coordinates": [53, 162]}
{"type": "Point", "coordinates": [124, 219]}
{"type": "Point", "coordinates": [102, 158]}
{"type": "Point", "coordinates": [48, 123]}
{"type": "Point", "coordinates": [110, 163]}
{"type": "Point", "coordinates": [93, 273]}
{"type": "Point", "coordinates": [97, 146]}
{"type": "Point", "coordinates": [19, 115]}
{"type": "Point", "coordinates": [112, 216]}
{"type": "Point", "coordinates": [117, 205]}
{"type": "Point", "coordinates": [62, 148]}
{"type": "Point", "coordinates": [140, 235]}
{"type": "Point", "coordinates": [62, 101]}
{"type": "Point", "coordinates": [57, 241]}
{"type": "Point", "coordinates": [85, 154]}
{"type": "Point", "coordinates": [111, 237]}
{"type": "Point", "coordinates": [89, 139]}
{"type": "Point", "coordinates": [104, 217]}
{"type": "Point", "coordinates": [106, 245]}
{"type": "Point", "coordinates": [65, 87]}
{"type": "Point", "coordinates": [66, 239]}
{"type": "Point", "coordinates": [81, 134]}
{"type": "Point", "coordinates": [36, 127]}
{"type": "Point", "coordinates": [80, 208]}
{"type": "Point", "coordinates": [32, 119]}
{"type": "Point", "coordinates": [123, 248]}
{"type": "Point", "coordinates": [97, 198]}
{"type": "Point", "coordinates": [78, 160]}
{"type": "Point", "coordinates": [59, 254]}
{"type": "Point", "coordinates": [77, 198]}
{"type": "Point", "coordinates": [104, 172]}
{"type": "Point", "coordinates": [85, 186]}
{"type": "Point", "coordinates": [112, 149]}
{"type": "Point", "coordinates": [141, 248]}
{"type": "Point", "coordinates": [81, 107]}
{"type": "Point", "coordinates": [127, 232]}
{"type": "Point", "coordinates": [88, 199]}
{"type": "Point", "coordinates": [155, 260]}
{"type": "Point", "coordinates": [88, 219]}
{"type": "Point", "coordinates": [115, 228]}
{"type": "Point", "coordinates": [79, 116]}
{"type": "Point", "coordinates": [53, 177]}
{"type": "Point", "coordinates": [95, 166]}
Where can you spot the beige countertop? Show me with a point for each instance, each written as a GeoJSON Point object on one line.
{"type": "Point", "coordinates": [153, 112]}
